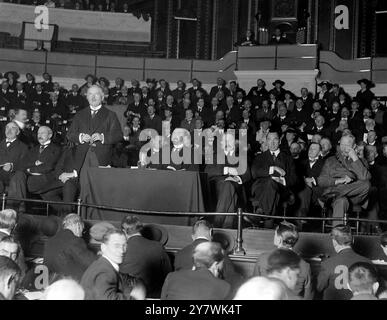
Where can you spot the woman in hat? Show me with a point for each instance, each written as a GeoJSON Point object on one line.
{"type": "Point", "coordinates": [289, 101]}
{"type": "Point", "coordinates": [104, 83]}
{"type": "Point", "coordinates": [324, 93]}
{"type": "Point", "coordinates": [90, 80]}
{"type": "Point", "coordinates": [12, 77]}
{"type": "Point", "coordinates": [278, 90]}
{"type": "Point", "coordinates": [365, 95]}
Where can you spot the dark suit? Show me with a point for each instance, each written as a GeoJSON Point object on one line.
{"type": "Point", "coordinates": [55, 190]}
{"type": "Point", "coordinates": [102, 282]}
{"type": "Point", "coordinates": [147, 260]}
{"type": "Point", "coordinates": [304, 286]}
{"type": "Point", "coordinates": [104, 122]}
{"type": "Point", "coordinates": [183, 261]}
{"type": "Point", "coordinates": [35, 183]}
{"type": "Point", "coordinates": [228, 193]}
{"type": "Point", "coordinates": [333, 275]}
{"type": "Point", "coordinates": [265, 190]}
{"type": "Point", "coordinates": [67, 255]}
{"type": "Point", "coordinates": [14, 154]}
{"type": "Point", "coordinates": [257, 96]}
{"type": "Point", "coordinates": [154, 123]}
{"type": "Point", "coordinates": [216, 89]}
{"type": "Point", "coordinates": [365, 98]}
{"type": "Point", "coordinates": [194, 285]}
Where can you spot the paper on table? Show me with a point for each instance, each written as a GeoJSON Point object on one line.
{"type": "Point", "coordinates": [105, 167]}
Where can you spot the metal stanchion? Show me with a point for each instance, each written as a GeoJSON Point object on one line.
{"type": "Point", "coordinates": [345, 218]}
{"type": "Point", "coordinates": [47, 209]}
{"type": "Point", "coordinates": [3, 199]}
{"type": "Point", "coordinates": [79, 202]}
{"type": "Point", "coordinates": [239, 248]}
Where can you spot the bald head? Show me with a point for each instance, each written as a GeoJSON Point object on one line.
{"type": "Point", "coordinates": [261, 288]}
{"type": "Point", "coordinates": [207, 254]}
{"type": "Point", "coordinates": [64, 290]}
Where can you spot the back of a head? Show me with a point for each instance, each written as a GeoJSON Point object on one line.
{"type": "Point", "coordinates": [65, 289]}
{"type": "Point", "coordinates": [281, 259]}
{"type": "Point", "coordinates": [342, 235]}
{"type": "Point", "coordinates": [131, 225]}
{"type": "Point", "coordinates": [261, 288]}
{"type": "Point", "coordinates": [71, 220]}
{"type": "Point", "coordinates": [202, 228]}
{"type": "Point", "coordinates": [206, 254]}
{"type": "Point", "coordinates": [288, 233]}
{"type": "Point", "coordinates": [362, 276]}
{"type": "Point", "coordinates": [8, 219]}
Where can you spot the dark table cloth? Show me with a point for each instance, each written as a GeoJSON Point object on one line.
{"type": "Point", "coordinates": [152, 190]}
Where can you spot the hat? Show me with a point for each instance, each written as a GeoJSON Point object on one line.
{"type": "Point", "coordinates": [32, 76]}
{"type": "Point", "coordinates": [104, 80]}
{"type": "Point", "coordinates": [149, 80]}
{"type": "Point", "coordinates": [279, 82]}
{"type": "Point", "coordinates": [367, 82]}
{"type": "Point", "coordinates": [155, 233]}
{"type": "Point", "coordinates": [90, 75]}
{"type": "Point", "coordinates": [98, 230]}
{"type": "Point", "coordinates": [14, 73]}
{"type": "Point", "coordinates": [327, 83]}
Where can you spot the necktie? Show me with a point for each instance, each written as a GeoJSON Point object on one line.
{"type": "Point", "coordinates": [93, 113]}
{"type": "Point", "coordinates": [274, 157]}
{"type": "Point", "coordinates": [41, 149]}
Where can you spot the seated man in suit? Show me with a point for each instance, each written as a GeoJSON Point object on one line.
{"type": "Point", "coordinates": [309, 191]}
{"type": "Point", "coordinates": [66, 253]}
{"type": "Point", "coordinates": [333, 277]}
{"type": "Point", "coordinates": [274, 175]}
{"type": "Point", "coordinates": [9, 278]}
{"type": "Point", "coordinates": [144, 259]}
{"type": "Point", "coordinates": [152, 120]}
{"type": "Point", "coordinates": [102, 279]}
{"type": "Point", "coordinates": [262, 289]}
{"type": "Point", "coordinates": [12, 152]}
{"type": "Point", "coordinates": [20, 119]}
{"type": "Point", "coordinates": [189, 122]}
{"type": "Point", "coordinates": [345, 178]}
{"type": "Point", "coordinates": [202, 282]}
{"type": "Point", "coordinates": [202, 232]}
{"type": "Point", "coordinates": [227, 174]}
{"type": "Point", "coordinates": [37, 169]}
{"type": "Point", "coordinates": [64, 185]}
{"type": "Point", "coordinates": [286, 237]}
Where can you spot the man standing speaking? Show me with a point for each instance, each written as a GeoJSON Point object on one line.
{"type": "Point", "coordinates": [94, 131]}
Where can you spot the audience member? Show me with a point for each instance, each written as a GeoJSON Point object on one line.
{"type": "Point", "coordinates": [66, 253]}
{"type": "Point", "coordinates": [332, 279]}
{"type": "Point", "coordinates": [144, 259]}
{"type": "Point", "coordinates": [286, 237]}
{"type": "Point", "coordinates": [363, 281]}
{"type": "Point", "coordinates": [9, 277]}
{"type": "Point", "coordinates": [202, 282]}
{"type": "Point", "coordinates": [261, 288]}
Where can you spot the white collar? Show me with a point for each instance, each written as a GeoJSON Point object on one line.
{"type": "Point", "coordinates": [6, 231]}
{"type": "Point", "coordinates": [178, 147]}
{"type": "Point", "coordinates": [276, 153]}
{"type": "Point", "coordinates": [96, 109]}
{"type": "Point", "coordinates": [20, 124]}
{"type": "Point", "coordinates": [46, 143]}
{"type": "Point", "coordinates": [10, 141]}
{"type": "Point", "coordinates": [115, 265]}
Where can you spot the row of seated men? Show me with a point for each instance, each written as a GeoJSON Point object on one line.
{"type": "Point", "coordinates": [124, 265]}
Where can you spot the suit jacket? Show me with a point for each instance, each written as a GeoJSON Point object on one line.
{"type": "Point", "coordinates": [333, 275]}
{"type": "Point", "coordinates": [261, 167]}
{"type": "Point", "coordinates": [49, 158]}
{"type": "Point", "coordinates": [178, 95]}
{"type": "Point", "coordinates": [67, 255]}
{"type": "Point", "coordinates": [147, 260]}
{"type": "Point", "coordinates": [155, 123]}
{"type": "Point", "coordinates": [194, 285]}
{"type": "Point", "coordinates": [189, 126]}
{"type": "Point", "coordinates": [14, 154]}
{"type": "Point", "coordinates": [105, 122]}
{"type": "Point", "coordinates": [337, 167]}
{"type": "Point", "coordinates": [139, 109]}
{"type": "Point", "coordinates": [102, 282]}
{"type": "Point", "coordinates": [233, 115]}
{"type": "Point", "coordinates": [215, 90]}
{"type": "Point", "coordinates": [183, 261]}
{"type": "Point", "coordinates": [304, 286]}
